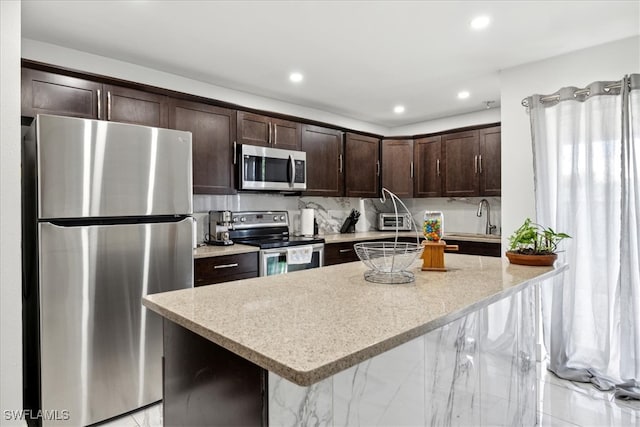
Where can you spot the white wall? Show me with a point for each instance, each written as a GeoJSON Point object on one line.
{"type": "Point", "coordinates": [87, 62]}
{"type": "Point", "coordinates": [610, 61]}
{"type": "Point", "coordinates": [10, 257]}
{"type": "Point", "coordinates": [491, 115]}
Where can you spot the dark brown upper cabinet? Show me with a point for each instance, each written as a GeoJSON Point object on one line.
{"type": "Point", "coordinates": [490, 161]}
{"type": "Point", "coordinates": [362, 166]}
{"type": "Point", "coordinates": [49, 93]}
{"type": "Point", "coordinates": [472, 163]}
{"type": "Point", "coordinates": [325, 161]}
{"type": "Point", "coordinates": [427, 155]}
{"type": "Point", "coordinates": [213, 141]}
{"type": "Point", "coordinates": [126, 105]}
{"type": "Point", "coordinates": [256, 129]}
{"type": "Point", "coordinates": [460, 156]}
{"type": "Point", "coordinates": [398, 166]}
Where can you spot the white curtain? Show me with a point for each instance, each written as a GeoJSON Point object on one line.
{"type": "Point", "coordinates": [586, 146]}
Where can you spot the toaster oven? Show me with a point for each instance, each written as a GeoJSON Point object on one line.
{"type": "Point", "coordinates": [392, 222]}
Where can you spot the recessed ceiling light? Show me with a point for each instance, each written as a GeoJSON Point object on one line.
{"type": "Point", "coordinates": [463, 95]}
{"type": "Point", "coordinates": [296, 77]}
{"type": "Point", "coordinates": [480, 22]}
{"type": "Point", "coordinates": [398, 109]}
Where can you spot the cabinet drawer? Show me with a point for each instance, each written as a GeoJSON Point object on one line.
{"type": "Point", "coordinates": [476, 248]}
{"type": "Point", "coordinates": [338, 253]}
{"type": "Point", "coordinates": [225, 268]}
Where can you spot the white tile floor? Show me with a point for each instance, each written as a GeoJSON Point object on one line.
{"type": "Point", "coordinates": [561, 404]}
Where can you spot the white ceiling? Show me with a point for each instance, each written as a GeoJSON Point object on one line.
{"type": "Point", "coordinates": [359, 58]}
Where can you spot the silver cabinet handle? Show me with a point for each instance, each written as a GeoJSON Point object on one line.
{"type": "Point", "coordinates": [275, 134]}
{"type": "Point", "coordinates": [475, 163]}
{"type": "Point", "coordinates": [109, 105]}
{"type": "Point", "coordinates": [345, 250]}
{"type": "Point", "coordinates": [340, 163]}
{"type": "Point", "coordinates": [438, 167]}
{"type": "Point", "coordinates": [480, 162]}
{"type": "Point", "coordinates": [235, 264]}
{"type": "Point", "coordinates": [99, 104]}
{"type": "Point", "coordinates": [377, 167]}
{"type": "Point", "coordinates": [235, 152]}
{"type": "Point", "coordinates": [411, 169]}
{"type": "Point", "coordinates": [269, 132]}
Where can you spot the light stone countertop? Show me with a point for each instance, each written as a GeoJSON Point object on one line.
{"type": "Point", "coordinates": [212, 250]}
{"type": "Point", "coordinates": [308, 325]}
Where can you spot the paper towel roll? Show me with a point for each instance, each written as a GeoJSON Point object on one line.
{"type": "Point", "coordinates": [306, 222]}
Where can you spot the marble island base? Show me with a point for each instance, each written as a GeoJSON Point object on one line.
{"type": "Point", "coordinates": [476, 370]}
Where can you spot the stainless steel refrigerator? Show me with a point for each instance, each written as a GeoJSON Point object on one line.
{"type": "Point", "coordinates": [106, 219]}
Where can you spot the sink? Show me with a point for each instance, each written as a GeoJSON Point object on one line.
{"type": "Point", "coordinates": [480, 236]}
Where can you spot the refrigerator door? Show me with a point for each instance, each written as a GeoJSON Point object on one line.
{"type": "Point", "coordinates": [101, 350]}
{"type": "Point", "coordinates": [93, 168]}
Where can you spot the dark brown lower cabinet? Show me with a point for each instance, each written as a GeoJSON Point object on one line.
{"type": "Point", "coordinates": [225, 268]}
{"type": "Point", "coordinates": [207, 385]}
{"type": "Point", "coordinates": [476, 248]}
{"type": "Point", "coordinates": [338, 253]}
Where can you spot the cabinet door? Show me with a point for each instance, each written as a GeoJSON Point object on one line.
{"type": "Point", "coordinates": [286, 134]}
{"type": "Point", "coordinates": [325, 160]}
{"type": "Point", "coordinates": [461, 169]}
{"type": "Point", "coordinates": [398, 166]}
{"type": "Point", "coordinates": [489, 164]}
{"type": "Point", "coordinates": [256, 129]}
{"type": "Point", "coordinates": [49, 93]}
{"type": "Point", "coordinates": [213, 135]}
{"type": "Point", "coordinates": [427, 154]}
{"type": "Point", "coordinates": [134, 106]}
{"type": "Point", "coordinates": [253, 129]}
{"type": "Point", "coordinates": [362, 166]}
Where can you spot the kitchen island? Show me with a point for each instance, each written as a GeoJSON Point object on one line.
{"type": "Point", "coordinates": [324, 346]}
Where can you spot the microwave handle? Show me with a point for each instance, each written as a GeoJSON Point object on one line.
{"type": "Point", "coordinates": [292, 169]}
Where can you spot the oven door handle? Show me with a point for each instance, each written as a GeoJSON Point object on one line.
{"type": "Point", "coordinates": [292, 170]}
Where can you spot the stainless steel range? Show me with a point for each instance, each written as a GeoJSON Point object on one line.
{"type": "Point", "coordinates": [280, 252]}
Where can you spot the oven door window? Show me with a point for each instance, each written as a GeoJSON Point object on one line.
{"type": "Point", "coordinates": [276, 263]}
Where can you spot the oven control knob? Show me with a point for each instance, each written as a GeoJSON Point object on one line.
{"type": "Point", "coordinates": [235, 219]}
{"type": "Point", "coordinates": [275, 217]}
{"type": "Point", "coordinates": [281, 217]}
{"type": "Point", "coordinates": [243, 219]}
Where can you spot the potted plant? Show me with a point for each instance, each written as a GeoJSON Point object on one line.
{"type": "Point", "coordinates": [533, 244]}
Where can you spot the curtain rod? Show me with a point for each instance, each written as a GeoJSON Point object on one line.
{"type": "Point", "coordinates": [579, 92]}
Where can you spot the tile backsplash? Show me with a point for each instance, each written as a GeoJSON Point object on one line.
{"type": "Point", "coordinates": [330, 212]}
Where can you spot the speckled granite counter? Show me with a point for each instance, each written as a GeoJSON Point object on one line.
{"type": "Point", "coordinates": [211, 251]}
{"type": "Point", "coordinates": [308, 325]}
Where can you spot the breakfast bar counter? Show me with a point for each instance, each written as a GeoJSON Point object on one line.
{"type": "Point", "coordinates": [260, 348]}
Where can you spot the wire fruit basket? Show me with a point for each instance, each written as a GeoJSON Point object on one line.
{"type": "Point", "coordinates": [388, 262]}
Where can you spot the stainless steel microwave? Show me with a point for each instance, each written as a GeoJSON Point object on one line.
{"type": "Point", "coordinates": [266, 168]}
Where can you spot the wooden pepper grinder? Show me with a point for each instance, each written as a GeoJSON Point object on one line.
{"type": "Point", "coordinates": [433, 255]}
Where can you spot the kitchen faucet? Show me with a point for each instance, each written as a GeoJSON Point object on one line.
{"type": "Point", "coordinates": [488, 226]}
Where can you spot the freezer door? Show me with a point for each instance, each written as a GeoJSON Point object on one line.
{"type": "Point", "coordinates": [100, 348]}
{"type": "Point", "coordinates": [93, 168]}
